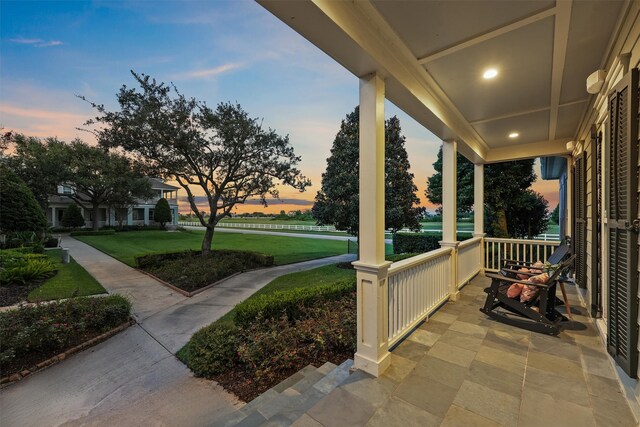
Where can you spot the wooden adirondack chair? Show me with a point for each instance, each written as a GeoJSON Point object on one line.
{"type": "Point", "coordinates": [537, 315]}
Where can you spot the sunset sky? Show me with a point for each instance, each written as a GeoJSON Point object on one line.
{"type": "Point", "coordinates": [215, 51]}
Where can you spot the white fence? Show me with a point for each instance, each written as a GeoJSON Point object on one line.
{"type": "Point", "coordinates": [417, 286]}
{"type": "Point", "coordinates": [264, 226]}
{"type": "Point", "coordinates": [518, 249]}
{"type": "Point", "coordinates": [469, 260]}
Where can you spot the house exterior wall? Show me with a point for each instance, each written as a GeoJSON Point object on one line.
{"type": "Point", "coordinates": [624, 56]}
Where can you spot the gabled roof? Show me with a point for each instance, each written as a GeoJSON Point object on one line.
{"type": "Point", "coordinates": [159, 184]}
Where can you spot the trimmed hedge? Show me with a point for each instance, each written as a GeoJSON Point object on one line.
{"type": "Point", "coordinates": [291, 303]}
{"type": "Point", "coordinates": [189, 270]}
{"type": "Point", "coordinates": [92, 233]}
{"type": "Point", "coordinates": [419, 242]}
{"type": "Point", "coordinates": [31, 334]}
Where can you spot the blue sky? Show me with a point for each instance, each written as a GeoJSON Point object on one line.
{"type": "Point", "coordinates": [212, 50]}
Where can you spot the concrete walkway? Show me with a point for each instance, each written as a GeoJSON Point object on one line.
{"type": "Point", "coordinates": [134, 378]}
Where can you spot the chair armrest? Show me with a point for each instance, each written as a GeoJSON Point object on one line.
{"type": "Point", "coordinates": [526, 273]}
{"type": "Point", "coordinates": [510, 280]}
{"type": "Point", "coordinates": [515, 261]}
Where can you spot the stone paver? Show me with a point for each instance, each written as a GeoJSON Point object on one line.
{"type": "Point", "coordinates": [468, 370]}
{"type": "Point", "coordinates": [134, 379]}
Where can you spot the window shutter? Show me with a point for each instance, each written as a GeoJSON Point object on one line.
{"type": "Point", "coordinates": [580, 221]}
{"type": "Point", "coordinates": [622, 339]}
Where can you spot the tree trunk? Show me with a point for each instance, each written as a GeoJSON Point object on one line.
{"type": "Point", "coordinates": [96, 211]}
{"type": "Point", "coordinates": [503, 230]}
{"type": "Point", "coordinates": [207, 241]}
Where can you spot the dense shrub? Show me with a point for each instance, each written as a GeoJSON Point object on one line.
{"type": "Point", "coordinates": [19, 268]}
{"type": "Point", "coordinates": [162, 212]}
{"type": "Point", "coordinates": [72, 217]}
{"type": "Point", "coordinates": [92, 233]}
{"type": "Point", "coordinates": [189, 270]}
{"type": "Point", "coordinates": [52, 242]}
{"type": "Point", "coordinates": [19, 210]}
{"type": "Point", "coordinates": [419, 242]}
{"type": "Point", "coordinates": [31, 334]}
{"type": "Point", "coordinates": [291, 303]}
{"type": "Point", "coordinates": [213, 349]}
{"type": "Point", "coordinates": [249, 359]}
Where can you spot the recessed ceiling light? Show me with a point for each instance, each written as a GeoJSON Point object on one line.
{"type": "Point", "coordinates": [490, 73]}
{"type": "Point", "coordinates": [514, 135]}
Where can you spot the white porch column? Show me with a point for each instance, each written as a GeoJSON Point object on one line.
{"type": "Point", "coordinates": [54, 222]}
{"type": "Point", "coordinates": [372, 354]}
{"type": "Point", "coordinates": [147, 220]}
{"type": "Point", "coordinates": [449, 209]}
{"type": "Point", "coordinates": [478, 208]}
{"type": "Point", "coordinates": [130, 216]}
{"type": "Point", "coordinates": [569, 215]}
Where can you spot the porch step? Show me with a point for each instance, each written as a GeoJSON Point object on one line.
{"type": "Point", "coordinates": [283, 404]}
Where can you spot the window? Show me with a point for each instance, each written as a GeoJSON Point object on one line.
{"type": "Point", "coordinates": [138, 214]}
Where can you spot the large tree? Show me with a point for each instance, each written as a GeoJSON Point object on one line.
{"type": "Point", "coordinates": [98, 177]}
{"type": "Point", "coordinates": [222, 152]}
{"type": "Point", "coordinates": [513, 210]}
{"type": "Point", "coordinates": [337, 201]}
{"type": "Point", "coordinates": [19, 210]}
{"type": "Point", "coordinates": [41, 164]}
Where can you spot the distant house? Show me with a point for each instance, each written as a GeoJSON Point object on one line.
{"type": "Point", "coordinates": [139, 214]}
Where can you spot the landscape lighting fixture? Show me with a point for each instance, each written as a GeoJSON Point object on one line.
{"type": "Point", "coordinates": [513, 135]}
{"type": "Point", "coordinates": [490, 74]}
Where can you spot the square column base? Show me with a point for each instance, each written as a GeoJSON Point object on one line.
{"type": "Point", "coordinates": [372, 367]}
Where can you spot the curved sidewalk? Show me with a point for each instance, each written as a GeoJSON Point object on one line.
{"type": "Point", "coordinates": [134, 378]}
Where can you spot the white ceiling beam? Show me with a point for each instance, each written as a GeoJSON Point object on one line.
{"type": "Point", "coordinates": [528, 151]}
{"type": "Point", "coordinates": [489, 35]}
{"type": "Point", "coordinates": [522, 113]}
{"type": "Point", "coordinates": [560, 41]}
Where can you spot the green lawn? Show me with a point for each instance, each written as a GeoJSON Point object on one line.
{"type": "Point", "coordinates": [285, 250]}
{"type": "Point", "coordinates": [71, 280]}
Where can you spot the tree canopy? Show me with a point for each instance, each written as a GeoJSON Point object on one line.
{"type": "Point", "coordinates": [225, 153]}
{"type": "Point", "coordinates": [19, 210]}
{"type": "Point", "coordinates": [337, 202]}
{"type": "Point", "coordinates": [513, 209]}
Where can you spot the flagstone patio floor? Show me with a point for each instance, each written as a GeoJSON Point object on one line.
{"type": "Point", "coordinates": [461, 368]}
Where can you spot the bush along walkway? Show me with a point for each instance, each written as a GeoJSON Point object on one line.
{"type": "Point", "coordinates": [137, 368]}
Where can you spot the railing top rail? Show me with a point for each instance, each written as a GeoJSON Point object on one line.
{"type": "Point", "coordinates": [469, 242]}
{"type": "Point", "coordinates": [525, 241]}
{"type": "Point", "coordinates": [398, 266]}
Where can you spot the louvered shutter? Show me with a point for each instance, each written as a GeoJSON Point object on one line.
{"type": "Point", "coordinates": [623, 211]}
{"type": "Point", "coordinates": [580, 221]}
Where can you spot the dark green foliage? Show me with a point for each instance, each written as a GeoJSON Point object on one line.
{"type": "Point", "coordinates": [225, 153]}
{"type": "Point", "coordinates": [250, 358]}
{"type": "Point", "coordinates": [92, 233]}
{"type": "Point", "coordinates": [39, 163]}
{"type": "Point", "coordinates": [190, 270]}
{"type": "Point", "coordinates": [337, 202]}
{"type": "Point", "coordinates": [418, 243]}
{"type": "Point", "coordinates": [72, 217]}
{"type": "Point", "coordinates": [162, 212]}
{"type": "Point", "coordinates": [212, 350]}
{"type": "Point", "coordinates": [505, 185]}
{"type": "Point", "coordinates": [291, 303]}
{"type": "Point", "coordinates": [31, 334]}
{"type": "Point", "coordinates": [20, 268]}
{"type": "Point", "coordinates": [555, 215]}
{"type": "Point", "coordinates": [19, 210]}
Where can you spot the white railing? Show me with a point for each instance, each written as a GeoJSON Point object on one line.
{"type": "Point", "coordinates": [469, 260]}
{"type": "Point", "coordinates": [496, 250]}
{"type": "Point", "coordinates": [264, 226]}
{"type": "Point", "coordinates": [417, 286]}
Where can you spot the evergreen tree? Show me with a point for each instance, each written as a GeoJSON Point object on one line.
{"type": "Point", "coordinates": [162, 212]}
{"type": "Point", "coordinates": [72, 217]}
{"type": "Point", "coordinates": [555, 215]}
{"type": "Point", "coordinates": [19, 209]}
{"type": "Point", "coordinates": [337, 201]}
{"type": "Point", "coordinates": [512, 209]}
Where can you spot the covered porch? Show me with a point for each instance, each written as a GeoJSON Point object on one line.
{"type": "Point", "coordinates": [461, 369]}
{"type": "Point", "coordinates": [496, 81]}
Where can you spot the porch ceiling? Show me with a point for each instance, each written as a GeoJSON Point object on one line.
{"type": "Point", "coordinates": [433, 54]}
